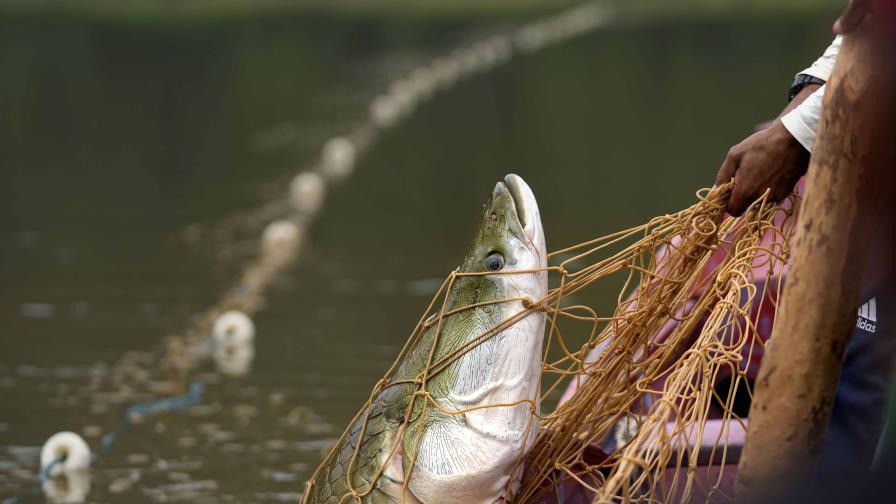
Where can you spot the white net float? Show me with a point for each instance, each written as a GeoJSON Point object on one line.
{"type": "Point", "coordinates": [338, 157]}
{"type": "Point", "coordinates": [384, 111]}
{"type": "Point", "coordinates": [503, 48]}
{"type": "Point", "coordinates": [233, 328]}
{"type": "Point", "coordinates": [279, 235]}
{"type": "Point", "coordinates": [404, 95]}
{"type": "Point", "coordinates": [307, 191]}
{"type": "Point", "coordinates": [446, 71]}
{"type": "Point", "coordinates": [468, 61]}
{"type": "Point", "coordinates": [486, 55]}
{"type": "Point", "coordinates": [423, 80]}
{"type": "Point", "coordinates": [233, 334]}
{"type": "Point", "coordinates": [68, 446]}
{"type": "Point", "coordinates": [530, 38]}
{"type": "Point", "coordinates": [234, 360]}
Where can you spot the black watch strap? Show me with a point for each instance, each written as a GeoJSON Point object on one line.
{"type": "Point", "coordinates": [801, 81]}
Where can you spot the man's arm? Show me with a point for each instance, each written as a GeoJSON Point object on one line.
{"type": "Point", "coordinates": [776, 157]}
{"type": "Point", "coordinates": [771, 158]}
{"type": "Point", "coordinates": [802, 121]}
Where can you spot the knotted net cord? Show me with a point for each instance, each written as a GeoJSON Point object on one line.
{"type": "Point", "coordinates": [693, 285]}
{"type": "Point", "coordinates": [666, 387]}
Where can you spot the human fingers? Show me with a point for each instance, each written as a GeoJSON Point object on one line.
{"type": "Point", "coordinates": [740, 199]}
{"type": "Point", "coordinates": [728, 168]}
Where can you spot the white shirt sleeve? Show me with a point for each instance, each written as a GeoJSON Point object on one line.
{"type": "Point", "coordinates": [802, 122]}
{"type": "Point", "coordinates": [824, 65]}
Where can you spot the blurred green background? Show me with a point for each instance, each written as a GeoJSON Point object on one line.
{"type": "Point", "coordinates": [133, 134]}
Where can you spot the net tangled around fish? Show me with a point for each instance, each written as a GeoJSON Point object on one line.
{"type": "Point", "coordinates": [657, 382]}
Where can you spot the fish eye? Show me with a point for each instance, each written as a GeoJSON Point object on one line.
{"type": "Point", "coordinates": [494, 262]}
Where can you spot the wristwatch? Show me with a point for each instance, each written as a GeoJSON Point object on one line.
{"type": "Point", "coordinates": [801, 81]}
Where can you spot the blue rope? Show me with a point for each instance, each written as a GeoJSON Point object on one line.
{"type": "Point", "coordinates": [168, 404]}
{"type": "Point", "coordinates": [176, 403]}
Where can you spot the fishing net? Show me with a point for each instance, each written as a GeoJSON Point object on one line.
{"type": "Point", "coordinates": [657, 384]}
{"type": "Point", "coordinates": [662, 386]}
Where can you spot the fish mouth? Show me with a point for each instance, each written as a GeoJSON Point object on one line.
{"type": "Point", "coordinates": [524, 204]}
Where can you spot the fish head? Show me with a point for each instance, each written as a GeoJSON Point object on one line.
{"type": "Point", "coordinates": [510, 244]}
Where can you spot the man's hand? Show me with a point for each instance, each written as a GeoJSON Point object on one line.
{"type": "Point", "coordinates": [770, 159]}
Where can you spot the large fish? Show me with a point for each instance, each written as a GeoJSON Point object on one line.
{"type": "Point", "coordinates": [402, 448]}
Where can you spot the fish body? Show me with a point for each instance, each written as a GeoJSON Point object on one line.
{"type": "Point", "coordinates": [460, 438]}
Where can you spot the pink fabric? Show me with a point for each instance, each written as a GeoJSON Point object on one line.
{"type": "Point", "coordinates": [732, 432]}
{"type": "Point", "coordinates": [762, 311]}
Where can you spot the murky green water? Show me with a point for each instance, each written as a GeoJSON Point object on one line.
{"type": "Point", "coordinates": [127, 150]}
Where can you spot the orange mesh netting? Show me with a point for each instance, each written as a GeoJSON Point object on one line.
{"type": "Point", "coordinates": [655, 384]}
